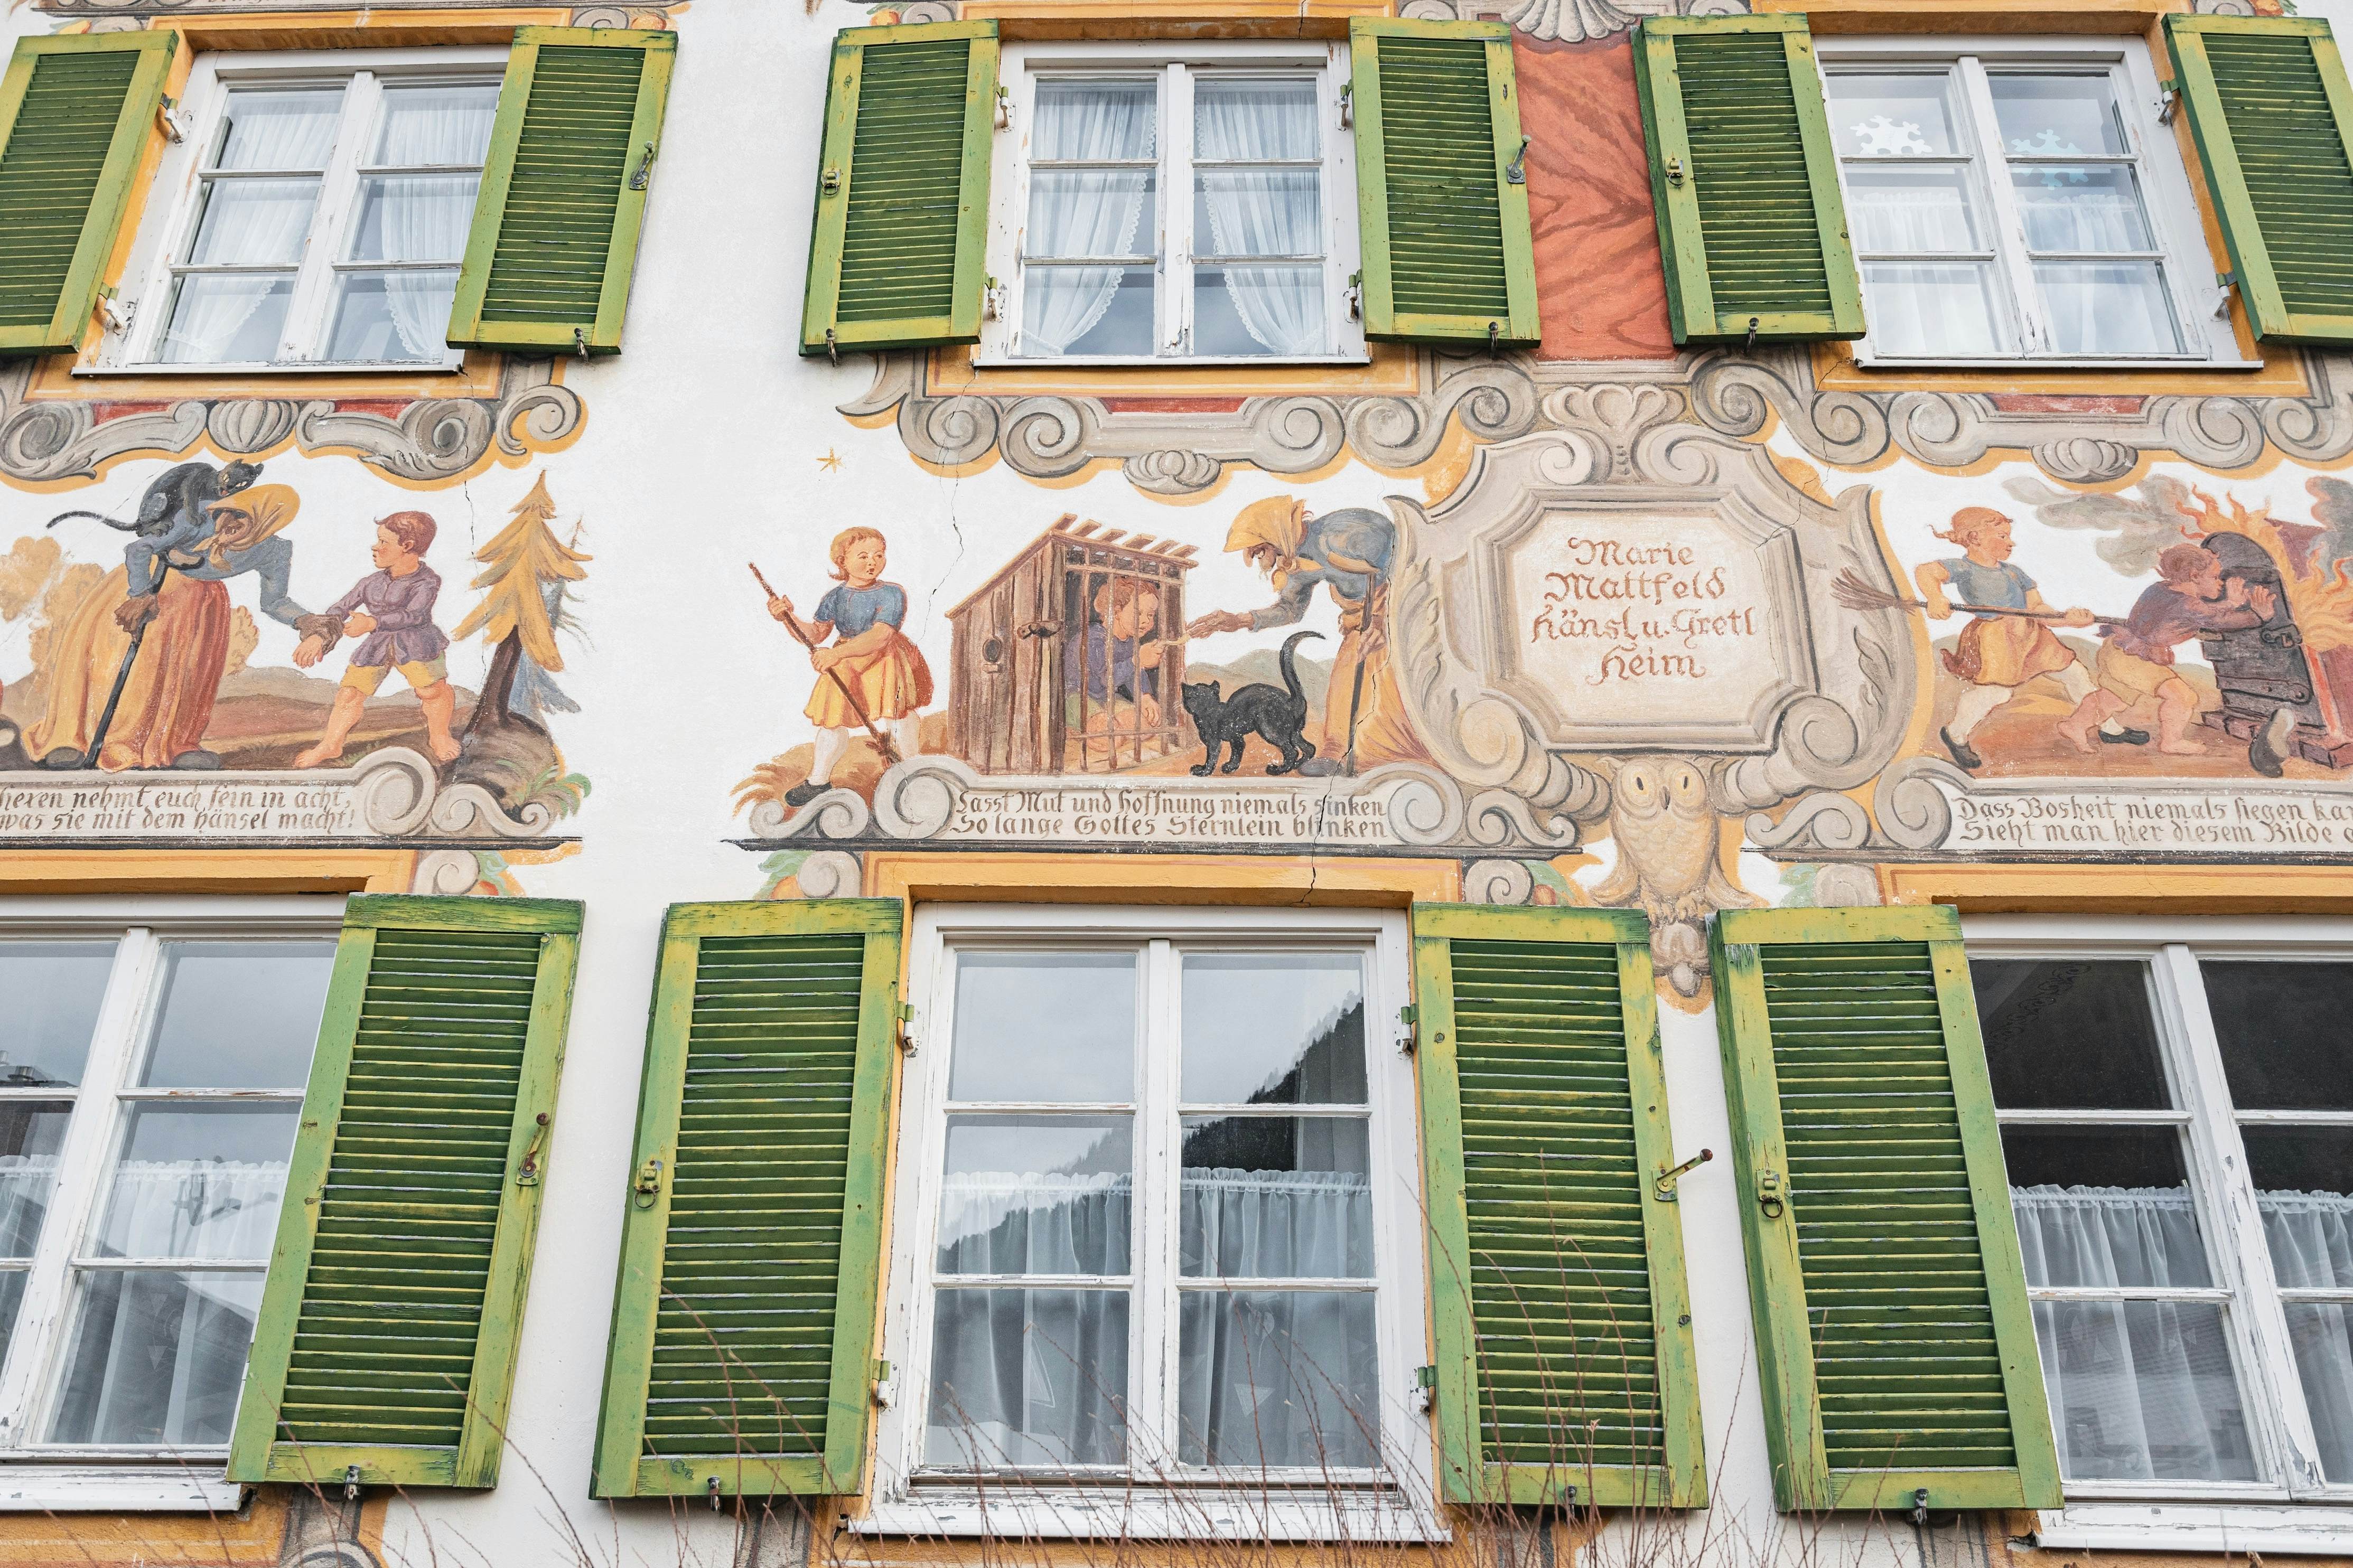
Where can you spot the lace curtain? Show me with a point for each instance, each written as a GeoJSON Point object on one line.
{"type": "Point", "coordinates": [1263, 212]}
{"type": "Point", "coordinates": [1083, 212]}
{"type": "Point", "coordinates": [426, 216]}
{"type": "Point", "coordinates": [2147, 1389]}
{"type": "Point", "coordinates": [254, 221]}
{"type": "Point", "coordinates": [1039, 1376]}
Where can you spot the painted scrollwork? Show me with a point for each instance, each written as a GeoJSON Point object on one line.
{"type": "Point", "coordinates": [48, 439]}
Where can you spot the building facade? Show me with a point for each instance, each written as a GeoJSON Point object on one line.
{"type": "Point", "coordinates": [685, 688]}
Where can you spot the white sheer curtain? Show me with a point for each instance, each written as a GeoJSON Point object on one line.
{"type": "Point", "coordinates": [1083, 212]}
{"type": "Point", "coordinates": [2311, 1238]}
{"type": "Point", "coordinates": [1264, 212]}
{"type": "Point", "coordinates": [25, 1183]}
{"type": "Point", "coordinates": [425, 217]}
{"type": "Point", "coordinates": [252, 221]}
{"type": "Point", "coordinates": [213, 1209]}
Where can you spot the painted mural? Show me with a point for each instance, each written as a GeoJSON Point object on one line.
{"type": "Point", "coordinates": [202, 660]}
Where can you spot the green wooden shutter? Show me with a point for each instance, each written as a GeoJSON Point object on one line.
{"type": "Point", "coordinates": [1743, 177]}
{"type": "Point", "coordinates": [387, 1333]}
{"type": "Point", "coordinates": [2272, 114]}
{"type": "Point", "coordinates": [571, 156]}
{"type": "Point", "coordinates": [751, 1249]}
{"type": "Point", "coordinates": [1565, 1362]}
{"type": "Point", "coordinates": [1442, 183]}
{"type": "Point", "coordinates": [75, 116]}
{"type": "Point", "coordinates": [897, 252]}
{"type": "Point", "coordinates": [1893, 1334]}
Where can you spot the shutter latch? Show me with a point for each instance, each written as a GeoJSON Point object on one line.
{"type": "Point", "coordinates": [1515, 172]}
{"type": "Point", "coordinates": [647, 1186]}
{"type": "Point", "coordinates": [1768, 1193]}
{"type": "Point", "coordinates": [829, 182]}
{"type": "Point", "coordinates": [1675, 171]}
{"type": "Point", "coordinates": [1004, 108]}
{"type": "Point", "coordinates": [1408, 1015]}
{"type": "Point", "coordinates": [1347, 104]}
{"type": "Point", "coordinates": [2169, 99]}
{"type": "Point", "coordinates": [882, 1384]}
{"type": "Point", "coordinates": [169, 123]}
{"type": "Point", "coordinates": [1665, 1185]}
{"type": "Point", "coordinates": [1425, 1388]}
{"type": "Point", "coordinates": [350, 1483]}
{"type": "Point", "coordinates": [903, 1018]}
{"type": "Point", "coordinates": [527, 1174]}
{"type": "Point", "coordinates": [645, 169]}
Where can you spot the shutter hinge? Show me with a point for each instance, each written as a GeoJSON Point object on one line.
{"type": "Point", "coordinates": [645, 169]}
{"type": "Point", "coordinates": [527, 1175]}
{"type": "Point", "coordinates": [1920, 1505]}
{"type": "Point", "coordinates": [2223, 283]}
{"type": "Point", "coordinates": [992, 300]}
{"type": "Point", "coordinates": [1675, 171]}
{"type": "Point", "coordinates": [833, 346]}
{"type": "Point", "coordinates": [580, 341]}
{"type": "Point", "coordinates": [114, 311]}
{"type": "Point", "coordinates": [903, 1015]}
{"type": "Point", "coordinates": [1425, 1388]}
{"type": "Point", "coordinates": [1354, 294]}
{"type": "Point", "coordinates": [1750, 346]}
{"type": "Point", "coordinates": [829, 182]}
{"type": "Point", "coordinates": [1515, 172]}
{"type": "Point", "coordinates": [883, 1392]}
{"type": "Point", "coordinates": [350, 1483]}
{"type": "Point", "coordinates": [1348, 104]}
{"type": "Point", "coordinates": [1665, 1185]}
{"type": "Point", "coordinates": [1408, 1015]}
{"type": "Point", "coordinates": [1004, 108]}
{"type": "Point", "coordinates": [165, 117]}
{"type": "Point", "coordinates": [2169, 99]}
{"type": "Point", "coordinates": [711, 1490]}
{"type": "Point", "coordinates": [1494, 337]}
{"type": "Point", "coordinates": [647, 1186]}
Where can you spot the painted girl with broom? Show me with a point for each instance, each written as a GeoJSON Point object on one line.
{"type": "Point", "coordinates": [873, 675]}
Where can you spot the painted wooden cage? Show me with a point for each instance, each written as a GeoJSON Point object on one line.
{"type": "Point", "coordinates": [1069, 660]}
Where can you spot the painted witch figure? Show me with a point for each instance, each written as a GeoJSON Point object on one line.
{"type": "Point", "coordinates": [181, 596]}
{"type": "Point", "coordinates": [873, 658]}
{"type": "Point", "coordinates": [1348, 553]}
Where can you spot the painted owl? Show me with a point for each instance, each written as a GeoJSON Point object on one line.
{"type": "Point", "coordinates": [1667, 836]}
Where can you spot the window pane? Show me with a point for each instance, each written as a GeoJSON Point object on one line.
{"type": "Point", "coordinates": [2322, 1333]}
{"type": "Point", "coordinates": [1259, 310]}
{"type": "Point", "coordinates": [12, 1297]}
{"type": "Point", "coordinates": [2143, 1391]}
{"type": "Point", "coordinates": [1277, 1198]}
{"type": "Point", "coordinates": [253, 223]}
{"type": "Point", "coordinates": [1095, 119]}
{"type": "Point", "coordinates": [30, 1137]}
{"type": "Point", "coordinates": [2107, 308]}
{"type": "Point", "coordinates": [1918, 209]}
{"type": "Point", "coordinates": [2304, 1189]}
{"type": "Point", "coordinates": [227, 319]}
{"type": "Point", "coordinates": [2282, 1027]}
{"type": "Point", "coordinates": [414, 217]}
{"type": "Point", "coordinates": [202, 1182]}
{"type": "Point", "coordinates": [156, 1357]}
{"type": "Point", "coordinates": [2069, 1034]}
{"type": "Point", "coordinates": [2088, 206]}
{"type": "Point", "coordinates": [2056, 116]}
{"type": "Point", "coordinates": [1087, 311]}
{"type": "Point", "coordinates": [1278, 1378]}
{"type": "Point", "coordinates": [1947, 308]}
{"type": "Point", "coordinates": [1049, 1026]}
{"type": "Point", "coordinates": [392, 316]}
{"type": "Point", "coordinates": [1028, 1195]}
{"type": "Point", "coordinates": [1091, 213]}
{"type": "Point", "coordinates": [54, 989]}
{"type": "Point", "coordinates": [265, 128]}
{"type": "Point", "coordinates": [239, 1014]}
{"type": "Point", "coordinates": [1027, 1377]}
{"type": "Point", "coordinates": [1273, 1028]}
{"type": "Point", "coordinates": [435, 126]}
{"type": "Point", "coordinates": [2104, 1206]}
{"type": "Point", "coordinates": [1263, 119]}
{"type": "Point", "coordinates": [1258, 212]}
{"type": "Point", "coordinates": [1907, 116]}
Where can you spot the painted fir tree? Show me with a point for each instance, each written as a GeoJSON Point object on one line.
{"type": "Point", "coordinates": [519, 564]}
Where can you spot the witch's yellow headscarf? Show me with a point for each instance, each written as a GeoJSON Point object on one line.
{"type": "Point", "coordinates": [271, 507]}
{"type": "Point", "coordinates": [1279, 523]}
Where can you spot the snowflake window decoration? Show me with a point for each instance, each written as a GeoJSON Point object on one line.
{"type": "Point", "coordinates": [1885, 138]}
{"type": "Point", "coordinates": [2048, 143]}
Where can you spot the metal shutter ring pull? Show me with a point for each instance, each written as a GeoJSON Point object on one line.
{"type": "Point", "coordinates": [1768, 1193]}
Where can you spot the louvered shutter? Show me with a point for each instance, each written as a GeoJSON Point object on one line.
{"type": "Point", "coordinates": [571, 159]}
{"type": "Point", "coordinates": [896, 257]}
{"type": "Point", "coordinates": [1893, 1334]}
{"type": "Point", "coordinates": [2273, 115]}
{"type": "Point", "coordinates": [1751, 226]}
{"type": "Point", "coordinates": [1565, 1362]}
{"type": "Point", "coordinates": [744, 1322]}
{"type": "Point", "coordinates": [75, 117]}
{"type": "Point", "coordinates": [387, 1333]}
{"type": "Point", "coordinates": [1442, 183]}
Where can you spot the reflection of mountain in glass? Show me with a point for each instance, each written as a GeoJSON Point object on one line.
{"type": "Point", "coordinates": [1330, 1071]}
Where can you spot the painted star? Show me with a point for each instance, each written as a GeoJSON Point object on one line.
{"type": "Point", "coordinates": [829, 462]}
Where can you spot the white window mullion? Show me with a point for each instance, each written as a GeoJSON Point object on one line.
{"type": "Point", "coordinates": [37, 1342]}
{"type": "Point", "coordinates": [1175, 199]}
{"type": "Point", "coordinates": [1154, 1321]}
{"type": "Point", "coordinates": [306, 324]}
{"type": "Point", "coordinates": [2009, 222]}
{"type": "Point", "coordinates": [2276, 1400]}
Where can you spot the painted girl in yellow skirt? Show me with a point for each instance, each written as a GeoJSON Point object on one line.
{"type": "Point", "coordinates": [873, 658]}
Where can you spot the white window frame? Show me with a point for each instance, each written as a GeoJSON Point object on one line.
{"type": "Point", "coordinates": [2201, 303]}
{"type": "Point", "coordinates": [1393, 1503]}
{"type": "Point", "coordinates": [1024, 64]}
{"type": "Point", "coordinates": [54, 1476]}
{"type": "Point", "coordinates": [167, 227]}
{"type": "Point", "coordinates": [2203, 1515]}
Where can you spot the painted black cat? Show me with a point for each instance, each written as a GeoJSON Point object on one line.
{"type": "Point", "coordinates": [1278, 714]}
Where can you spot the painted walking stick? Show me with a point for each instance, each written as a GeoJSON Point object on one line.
{"type": "Point", "coordinates": [122, 675]}
{"type": "Point", "coordinates": [1855, 594]}
{"type": "Point", "coordinates": [889, 752]}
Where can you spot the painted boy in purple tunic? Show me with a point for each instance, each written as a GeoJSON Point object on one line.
{"type": "Point", "coordinates": [392, 608]}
